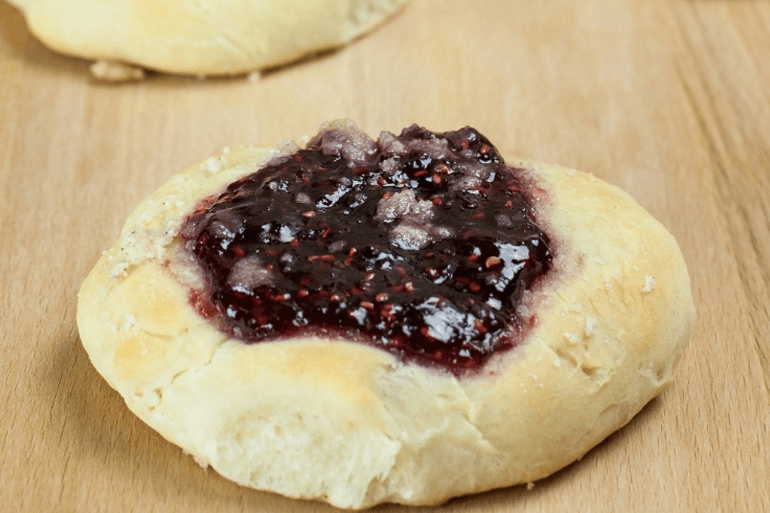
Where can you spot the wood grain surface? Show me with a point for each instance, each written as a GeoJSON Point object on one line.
{"type": "Point", "coordinates": [669, 99]}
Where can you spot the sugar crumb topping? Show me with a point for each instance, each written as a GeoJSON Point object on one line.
{"type": "Point", "coordinates": [649, 284]}
{"type": "Point", "coordinates": [590, 324]}
{"type": "Point", "coordinates": [213, 165]}
{"type": "Point", "coordinates": [130, 322]}
{"type": "Point", "coordinates": [139, 246]}
{"type": "Point", "coordinates": [573, 338]}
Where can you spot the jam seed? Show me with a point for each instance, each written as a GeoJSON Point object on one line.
{"type": "Point", "coordinates": [437, 200]}
{"type": "Point", "coordinates": [326, 233]}
{"type": "Point", "coordinates": [492, 261]}
{"type": "Point", "coordinates": [425, 332]}
{"type": "Point", "coordinates": [442, 168]}
{"type": "Point", "coordinates": [239, 252]}
{"type": "Point", "coordinates": [309, 214]}
{"type": "Point", "coordinates": [368, 305]}
{"type": "Point", "coordinates": [387, 195]}
{"type": "Point", "coordinates": [382, 296]}
{"type": "Point", "coordinates": [302, 293]}
{"type": "Point", "coordinates": [479, 326]}
{"type": "Point", "coordinates": [437, 179]}
{"type": "Point", "coordinates": [409, 287]}
{"type": "Point", "coordinates": [474, 286]}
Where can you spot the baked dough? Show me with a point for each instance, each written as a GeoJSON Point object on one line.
{"type": "Point", "coordinates": [353, 425]}
{"type": "Point", "coordinates": [211, 37]}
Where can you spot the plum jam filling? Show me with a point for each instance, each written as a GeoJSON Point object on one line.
{"type": "Point", "coordinates": [420, 244]}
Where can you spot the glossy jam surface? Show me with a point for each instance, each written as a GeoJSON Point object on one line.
{"type": "Point", "coordinates": [420, 244]}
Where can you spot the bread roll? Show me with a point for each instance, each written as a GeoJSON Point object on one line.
{"type": "Point", "coordinates": [211, 37]}
{"type": "Point", "coordinates": [321, 415]}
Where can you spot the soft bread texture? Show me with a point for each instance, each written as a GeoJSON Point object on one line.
{"type": "Point", "coordinates": [209, 37]}
{"type": "Point", "coordinates": [353, 426]}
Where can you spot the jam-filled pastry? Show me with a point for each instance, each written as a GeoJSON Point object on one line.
{"type": "Point", "coordinates": [402, 320]}
{"type": "Point", "coordinates": [208, 37]}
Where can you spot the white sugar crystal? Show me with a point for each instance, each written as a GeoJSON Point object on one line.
{"type": "Point", "coordinates": [404, 205]}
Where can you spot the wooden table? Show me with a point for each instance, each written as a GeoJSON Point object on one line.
{"type": "Point", "coordinates": [669, 99]}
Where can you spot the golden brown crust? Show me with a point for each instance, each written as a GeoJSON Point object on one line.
{"type": "Point", "coordinates": [350, 424]}
{"type": "Point", "coordinates": [210, 37]}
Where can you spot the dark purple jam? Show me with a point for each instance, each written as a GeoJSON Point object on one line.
{"type": "Point", "coordinates": [420, 244]}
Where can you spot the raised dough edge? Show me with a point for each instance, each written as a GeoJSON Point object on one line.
{"type": "Point", "coordinates": [350, 425]}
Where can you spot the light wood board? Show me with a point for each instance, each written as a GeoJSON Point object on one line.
{"type": "Point", "coordinates": [669, 99]}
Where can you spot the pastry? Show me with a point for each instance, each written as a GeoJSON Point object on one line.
{"type": "Point", "coordinates": [402, 320]}
{"type": "Point", "coordinates": [214, 37]}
